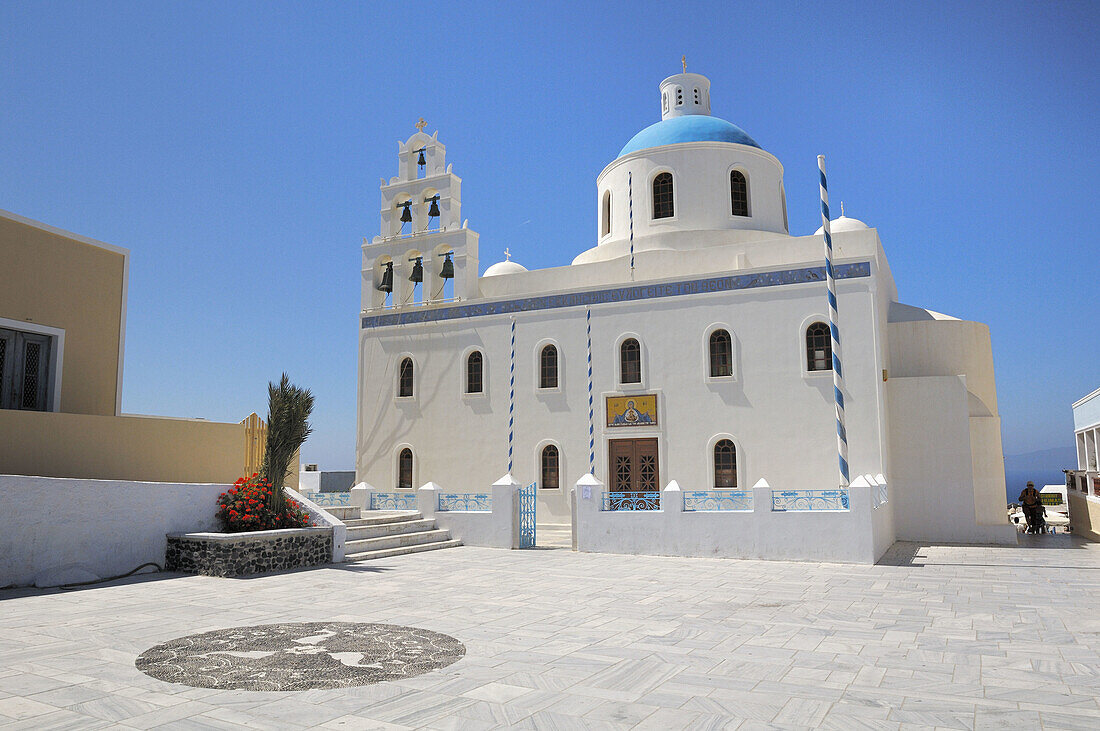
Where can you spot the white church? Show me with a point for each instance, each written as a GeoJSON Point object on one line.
{"type": "Point", "coordinates": [689, 344]}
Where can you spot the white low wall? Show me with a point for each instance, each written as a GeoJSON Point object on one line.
{"type": "Point", "coordinates": [818, 535]}
{"type": "Point", "coordinates": [323, 518]}
{"type": "Point", "coordinates": [50, 525]}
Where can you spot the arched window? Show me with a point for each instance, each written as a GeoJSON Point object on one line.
{"type": "Point", "coordinates": [548, 367]}
{"type": "Point", "coordinates": [662, 196]}
{"type": "Point", "coordinates": [739, 193]}
{"type": "Point", "coordinates": [630, 361]}
{"type": "Point", "coordinates": [819, 348]}
{"type": "Point", "coordinates": [549, 467]}
{"type": "Point", "coordinates": [721, 354]}
{"type": "Point", "coordinates": [405, 469]}
{"type": "Point", "coordinates": [405, 378]}
{"type": "Point", "coordinates": [605, 214]}
{"type": "Point", "coordinates": [725, 464]}
{"type": "Point", "coordinates": [474, 372]}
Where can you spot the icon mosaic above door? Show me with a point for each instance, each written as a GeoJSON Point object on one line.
{"type": "Point", "coordinates": [625, 411]}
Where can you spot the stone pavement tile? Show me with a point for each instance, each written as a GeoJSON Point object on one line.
{"type": "Point", "coordinates": [838, 720]}
{"type": "Point", "coordinates": [748, 705]}
{"type": "Point", "coordinates": [18, 708]}
{"type": "Point", "coordinates": [115, 708]}
{"type": "Point", "coordinates": [290, 708]}
{"type": "Point", "coordinates": [29, 684]}
{"type": "Point", "coordinates": [416, 709]}
{"type": "Point", "coordinates": [802, 712]}
{"type": "Point", "coordinates": [60, 720]}
{"type": "Point", "coordinates": [630, 714]}
{"type": "Point", "coordinates": [246, 719]}
{"type": "Point", "coordinates": [496, 692]}
{"type": "Point", "coordinates": [1064, 722]}
{"type": "Point", "coordinates": [942, 719]}
{"type": "Point", "coordinates": [996, 719]}
{"type": "Point", "coordinates": [361, 723]}
{"type": "Point", "coordinates": [67, 695]}
{"type": "Point", "coordinates": [667, 719]}
{"type": "Point", "coordinates": [549, 721]}
{"type": "Point", "coordinates": [168, 715]}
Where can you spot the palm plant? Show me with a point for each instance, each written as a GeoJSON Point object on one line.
{"type": "Point", "coordinates": [288, 427]}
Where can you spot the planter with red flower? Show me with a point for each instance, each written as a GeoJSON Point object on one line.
{"type": "Point", "coordinates": [264, 529]}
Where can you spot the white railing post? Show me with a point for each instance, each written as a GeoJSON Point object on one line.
{"type": "Point", "coordinates": [672, 499]}
{"type": "Point", "coordinates": [761, 496]}
{"type": "Point", "coordinates": [427, 499]}
{"type": "Point", "coordinates": [588, 499]}
{"type": "Point", "coordinates": [361, 494]}
{"type": "Point", "coordinates": [505, 517]}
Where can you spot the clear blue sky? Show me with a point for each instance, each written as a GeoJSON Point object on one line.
{"type": "Point", "coordinates": [236, 150]}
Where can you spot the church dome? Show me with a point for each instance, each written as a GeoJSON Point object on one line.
{"type": "Point", "coordinates": [504, 267]}
{"type": "Point", "coordinates": [842, 224]}
{"type": "Point", "coordinates": [688, 128]}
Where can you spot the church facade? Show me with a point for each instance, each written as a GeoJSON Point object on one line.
{"type": "Point", "coordinates": [691, 343]}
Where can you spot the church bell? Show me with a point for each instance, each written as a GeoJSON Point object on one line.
{"type": "Point", "coordinates": [448, 271]}
{"type": "Point", "coordinates": [406, 214]}
{"type": "Point", "coordinates": [421, 161]}
{"type": "Point", "coordinates": [418, 270]}
{"type": "Point", "coordinates": [433, 209]}
{"type": "Point", "coordinates": [386, 285]}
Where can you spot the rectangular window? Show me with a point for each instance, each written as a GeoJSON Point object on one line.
{"type": "Point", "coordinates": [26, 370]}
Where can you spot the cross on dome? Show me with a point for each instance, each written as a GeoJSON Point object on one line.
{"type": "Point", "coordinates": [507, 255]}
{"type": "Point", "coordinates": [684, 63]}
{"type": "Point", "coordinates": [420, 125]}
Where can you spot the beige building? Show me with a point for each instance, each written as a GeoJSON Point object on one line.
{"type": "Point", "coordinates": [62, 339]}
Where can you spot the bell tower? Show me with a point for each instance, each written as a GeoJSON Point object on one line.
{"type": "Point", "coordinates": [424, 247]}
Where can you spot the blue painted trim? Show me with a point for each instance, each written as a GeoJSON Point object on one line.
{"type": "Point", "coordinates": [620, 294]}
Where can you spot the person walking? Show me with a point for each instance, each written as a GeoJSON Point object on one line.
{"type": "Point", "coordinates": [1032, 505]}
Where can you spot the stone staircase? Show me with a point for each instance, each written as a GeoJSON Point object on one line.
{"type": "Point", "coordinates": [385, 534]}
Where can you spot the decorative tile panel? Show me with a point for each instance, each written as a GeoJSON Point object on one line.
{"type": "Point", "coordinates": [710, 285]}
{"type": "Point", "coordinates": [465, 502]}
{"type": "Point", "coordinates": [809, 500]}
{"type": "Point", "coordinates": [331, 499]}
{"type": "Point", "coordinates": [392, 501]}
{"type": "Point", "coordinates": [631, 501]}
{"type": "Point", "coordinates": [718, 500]}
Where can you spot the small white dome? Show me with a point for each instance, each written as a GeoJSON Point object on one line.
{"type": "Point", "coordinates": [842, 224]}
{"type": "Point", "coordinates": [504, 267]}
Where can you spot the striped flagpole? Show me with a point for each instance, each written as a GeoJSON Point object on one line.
{"type": "Point", "coordinates": [512, 396]}
{"type": "Point", "coordinates": [834, 330]}
{"type": "Point", "coordinates": [591, 412]}
{"type": "Point", "coordinates": [630, 205]}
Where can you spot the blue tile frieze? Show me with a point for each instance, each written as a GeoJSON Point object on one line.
{"type": "Point", "coordinates": [619, 294]}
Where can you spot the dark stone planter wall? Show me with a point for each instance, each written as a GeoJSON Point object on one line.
{"type": "Point", "coordinates": [254, 552]}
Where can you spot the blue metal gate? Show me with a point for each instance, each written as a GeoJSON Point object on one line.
{"type": "Point", "coordinates": [527, 516]}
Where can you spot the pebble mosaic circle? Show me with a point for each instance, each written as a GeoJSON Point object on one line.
{"type": "Point", "coordinates": [305, 656]}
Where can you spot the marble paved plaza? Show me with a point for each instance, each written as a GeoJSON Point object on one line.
{"type": "Point", "coordinates": [933, 637]}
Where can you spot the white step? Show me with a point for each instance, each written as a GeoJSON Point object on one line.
{"type": "Point", "coordinates": [397, 541]}
{"type": "Point", "coordinates": [376, 517]}
{"type": "Point", "coordinates": [342, 512]}
{"type": "Point", "coordinates": [388, 552]}
{"type": "Point", "coordinates": [362, 532]}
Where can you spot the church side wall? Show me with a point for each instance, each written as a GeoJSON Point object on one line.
{"type": "Point", "coordinates": [779, 416]}
{"type": "Point", "coordinates": [931, 475]}
{"type": "Point", "coordinates": [961, 348]}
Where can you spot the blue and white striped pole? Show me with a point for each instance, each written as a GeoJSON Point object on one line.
{"type": "Point", "coordinates": [512, 396]}
{"type": "Point", "coordinates": [834, 331]}
{"type": "Point", "coordinates": [591, 412]}
{"type": "Point", "coordinates": [630, 206]}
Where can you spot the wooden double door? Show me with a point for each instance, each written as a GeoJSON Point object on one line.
{"type": "Point", "coordinates": [633, 465]}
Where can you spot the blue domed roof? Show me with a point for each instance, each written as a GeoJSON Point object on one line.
{"type": "Point", "coordinates": [689, 128]}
